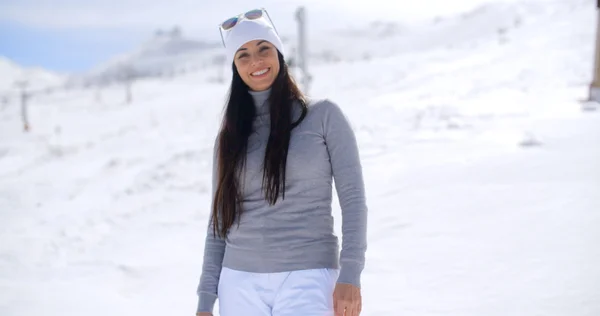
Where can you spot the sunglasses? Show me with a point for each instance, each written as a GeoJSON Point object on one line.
{"type": "Point", "coordinates": [250, 15]}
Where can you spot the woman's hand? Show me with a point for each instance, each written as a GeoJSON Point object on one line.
{"type": "Point", "coordinates": [347, 300]}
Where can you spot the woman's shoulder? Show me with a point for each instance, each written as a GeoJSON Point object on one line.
{"type": "Point", "coordinates": [320, 103]}
{"type": "Point", "coordinates": [323, 106]}
{"type": "Point", "coordinates": [326, 113]}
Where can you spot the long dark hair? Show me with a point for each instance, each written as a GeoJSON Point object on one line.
{"type": "Point", "coordinates": [232, 143]}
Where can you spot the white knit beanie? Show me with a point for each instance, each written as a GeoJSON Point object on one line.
{"type": "Point", "coordinates": [248, 30]}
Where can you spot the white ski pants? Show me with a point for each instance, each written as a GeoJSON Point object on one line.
{"type": "Point", "coordinates": [296, 293]}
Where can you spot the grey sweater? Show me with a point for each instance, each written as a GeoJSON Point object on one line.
{"type": "Point", "coordinates": [298, 232]}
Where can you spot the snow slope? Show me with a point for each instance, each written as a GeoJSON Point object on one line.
{"type": "Point", "coordinates": [104, 204]}
{"type": "Point", "coordinates": [166, 54]}
{"type": "Point", "coordinates": [172, 52]}
{"type": "Point", "coordinates": [37, 78]}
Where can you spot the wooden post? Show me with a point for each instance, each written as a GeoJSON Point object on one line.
{"type": "Point", "coordinates": [127, 76]}
{"type": "Point", "coordinates": [24, 98]}
{"type": "Point", "coordinates": [594, 92]}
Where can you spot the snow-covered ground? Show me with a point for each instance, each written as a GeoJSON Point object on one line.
{"type": "Point", "coordinates": [104, 204]}
{"type": "Point", "coordinates": [12, 75]}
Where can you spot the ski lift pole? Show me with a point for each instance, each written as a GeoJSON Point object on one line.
{"type": "Point", "coordinates": [24, 98]}
{"type": "Point", "coordinates": [302, 58]}
{"type": "Point", "coordinates": [594, 92]}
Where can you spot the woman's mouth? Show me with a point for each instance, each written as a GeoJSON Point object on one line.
{"type": "Point", "coordinates": [260, 73]}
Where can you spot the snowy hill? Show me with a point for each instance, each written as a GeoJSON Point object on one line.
{"type": "Point", "coordinates": [104, 204]}
{"type": "Point", "coordinates": [490, 21]}
{"type": "Point", "coordinates": [36, 78]}
{"type": "Point", "coordinates": [170, 53]}
{"type": "Point", "coordinates": [166, 54]}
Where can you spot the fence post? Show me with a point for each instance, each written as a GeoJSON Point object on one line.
{"type": "Point", "coordinates": [594, 92]}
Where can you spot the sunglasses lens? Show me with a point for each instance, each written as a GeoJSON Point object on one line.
{"type": "Point", "coordinates": [229, 23]}
{"type": "Point", "coordinates": [254, 14]}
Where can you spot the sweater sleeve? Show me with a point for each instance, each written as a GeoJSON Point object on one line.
{"type": "Point", "coordinates": [214, 249]}
{"type": "Point", "coordinates": [347, 173]}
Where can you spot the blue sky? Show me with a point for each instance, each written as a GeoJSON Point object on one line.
{"type": "Point", "coordinates": [62, 50]}
{"type": "Point", "coordinates": [75, 35]}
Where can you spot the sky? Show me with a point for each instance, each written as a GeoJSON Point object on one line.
{"type": "Point", "coordinates": [75, 35]}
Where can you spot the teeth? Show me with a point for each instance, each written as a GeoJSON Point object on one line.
{"type": "Point", "coordinates": [258, 73]}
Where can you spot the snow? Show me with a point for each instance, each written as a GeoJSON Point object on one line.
{"type": "Point", "coordinates": [173, 51]}
{"type": "Point", "coordinates": [165, 54]}
{"type": "Point", "coordinates": [104, 204]}
{"type": "Point", "coordinates": [36, 78]}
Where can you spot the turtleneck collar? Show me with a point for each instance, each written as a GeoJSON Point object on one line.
{"type": "Point", "coordinates": [260, 100]}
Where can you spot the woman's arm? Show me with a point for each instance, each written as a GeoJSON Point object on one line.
{"type": "Point", "coordinates": [347, 172]}
{"type": "Point", "coordinates": [214, 249]}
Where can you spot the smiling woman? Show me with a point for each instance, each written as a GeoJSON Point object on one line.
{"type": "Point", "coordinates": [270, 247]}
{"type": "Point", "coordinates": [257, 63]}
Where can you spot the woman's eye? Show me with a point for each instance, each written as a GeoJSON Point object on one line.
{"type": "Point", "coordinates": [240, 56]}
{"type": "Point", "coordinates": [264, 48]}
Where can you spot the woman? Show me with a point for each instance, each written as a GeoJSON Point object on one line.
{"type": "Point", "coordinates": [270, 247]}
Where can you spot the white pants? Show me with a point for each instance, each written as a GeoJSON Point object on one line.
{"type": "Point", "coordinates": [296, 293]}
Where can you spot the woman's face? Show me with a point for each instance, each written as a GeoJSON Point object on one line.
{"type": "Point", "coordinates": [258, 64]}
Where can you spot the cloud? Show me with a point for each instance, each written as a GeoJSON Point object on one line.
{"type": "Point", "coordinates": [71, 28]}
{"type": "Point", "coordinates": [204, 16]}
{"type": "Point", "coordinates": [132, 14]}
